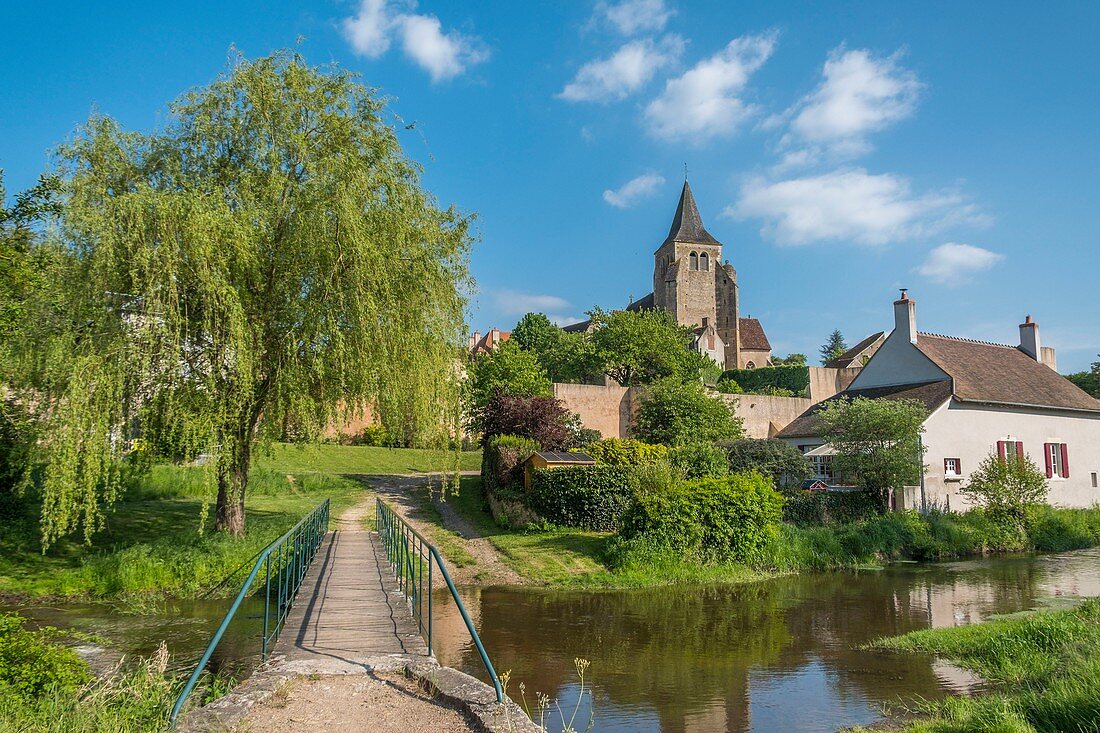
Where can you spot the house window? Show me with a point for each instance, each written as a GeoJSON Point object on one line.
{"type": "Point", "coordinates": [704, 262]}
{"type": "Point", "coordinates": [1094, 479]}
{"type": "Point", "coordinates": [952, 467]}
{"type": "Point", "coordinates": [823, 468]}
{"type": "Point", "coordinates": [1010, 448]}
{"type": "Point", "coordinates": [1057, 460]}
{"type": "Point", "coordinates": [694, 259]}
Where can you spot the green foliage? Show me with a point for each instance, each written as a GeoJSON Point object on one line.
{"type": "Point", "coordinates": [267, 256]}
{"type": "Point", "coordinates": [674, 412]}
{"type": "Point", "coordinates": [829, 507]}
{"type": "Point", "coordinates": [31, 662]}
{"type": "Point", "coordinates": [834, 347]}
{"type": "Point", "coordinates": [786, 380]}
{"type": "Point", "coordinates": [502, 461]}
{"type": "Point", "coordinates": [625, 452]}
{"type": "Point", "coordinates": [589, 497]}
{"type": "Point", "coordinates": [877, 442]}
{"type": "Point", "coordinates": [728, 385]}
{"type": "Point", "coordinates": [784, 464]}
{"type": "Point", "coordinates": [699, 460]}
{"type": "Point", "coordinates": [372, 435]}
{"type": "Point", "coordinates": [1044, 668]}
{"type": "Point", "coordinates": [1088, 381]}
{"type": "Point", "coordinates": [642, 347]}
{"type": "Point", "coordinates": [712, 520]}
{"type": "Point", "coordinates": [566, 357]}
{"type": "Point", "coordinates": [535, 333]}
{"type": "Point", "coordinates": [789, 360]}
{"type": "Point", "coordinates": [1006, 487]}
{"type": "Point", "coordinates": [507, 368]}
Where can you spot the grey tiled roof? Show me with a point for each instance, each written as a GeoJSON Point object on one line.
{"type": "Point", "coordinates": [930, 394]}
{"type": "Point", "coordinates": [687, 225]}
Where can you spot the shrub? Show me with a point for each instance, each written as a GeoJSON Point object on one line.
{"type": "Point", "coordinates": [625, 452]}
{"type": "Point", "coordinates": [30, 663]}
{"type": "Point", "coordinates": [542, 419]}
{"type": "Point", "coordinates": [1058, 530]}
{"type": "Point", "coordinates": [729, 519]}
{"type": "Point", "coordinates": [1006, 487]}
{"type": "Point", "coordinates": [830, 507]}
{"type": "Point", "coordinates": [784, 463]}
{"type": "Point", "coordinates": [502, 461]}
{"type": "Point", "coordinates": [507, 368]}
{"type": "Point", "coordinates": [676, 413]}
{"type": "Point", "coordinates": [372, 435]}
{"type": "Point", "coordinates": [793, 378]}
{"type": "Point", "coordinates": [588, 497]}
{"type": "Point", "coordinates": [728, 385]}
{"type": "Point", "coordinates": [699, 460]}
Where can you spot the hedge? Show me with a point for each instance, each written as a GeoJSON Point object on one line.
{"type": "Point", "coordinates": [699, 460]}
{"type": "Point", "coordinates": [625, 452]}
{"type": "Point", "coordinates": [794, 377]}
{"type": "Point", "coordinates": [588, 497]}
{"type": "Point", "coordinates": [502, 462]}
{"type": "Point", "coordinates": [830, 507]}
{"type": "Point", "coordinates": [728, 519]}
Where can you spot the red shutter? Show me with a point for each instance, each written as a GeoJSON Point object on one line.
{"type": "Point", "coordinates": [1019, 450]}
{"type": "Point", "coordinates": [959, 466]}
{"type": "Point", "coordinates": [1050, 464]}
{"type": "Point", "coordinates": [1065, 460]}
{"type": "Point", "coordinates": [1001, 449]}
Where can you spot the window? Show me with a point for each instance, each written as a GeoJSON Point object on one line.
{"type": "Point", "coordinates": [823, 467]}
{"type": "Point", "coordinates": [704, 261]}
{"type": "Point", "coordinates": [1007, 448]}
{"type": "Point", "coordinates": [694, 259]}
{"type": "Point", "coordinates": [1094, 479]}
{"type": "Point", "coordinates": [952, 467]}
{"type": "Point", "coordinates": [1057, 460]}
{"type": "Point", "coordinates": [750, 365]}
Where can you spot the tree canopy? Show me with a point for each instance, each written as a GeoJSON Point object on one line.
{"type": "Point", "coordinates": [674, 412]}
{"type": "Point", "coordinates": [877, 442]}
{"type": "Point", "coordinates": [268, 255]}
{"type": "Point", "coordinates": [834, 347]}
{"type": "Point", "coordinates": [507, 368]}
{"type": "Point", "coordinates": [1088, 381]}
{"type": "Point", "coordinates": [641, 347]}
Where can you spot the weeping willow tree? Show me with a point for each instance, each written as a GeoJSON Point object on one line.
{"type": "Point", "coordinates": [266, 258]}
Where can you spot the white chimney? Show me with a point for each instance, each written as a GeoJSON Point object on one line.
{"type": "Point", "coordinates": [905, 316]}
{"type": "Point", "coordinates": [1029, 339]}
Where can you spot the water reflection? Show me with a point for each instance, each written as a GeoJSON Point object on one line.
{"type": "Point", "coordinates": [771, 656]}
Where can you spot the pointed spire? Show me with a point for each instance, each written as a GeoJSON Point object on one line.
{"type": "Point", "coordinates": [687, 225]}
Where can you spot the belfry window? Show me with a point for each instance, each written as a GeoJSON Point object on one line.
{"type": "Point", "coordinates": [704, 262]}
{"type": "Point", "coordinates": [694, 261]}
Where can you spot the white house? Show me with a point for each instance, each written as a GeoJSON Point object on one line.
{"type": "Point", "coordinates": [982, 398]}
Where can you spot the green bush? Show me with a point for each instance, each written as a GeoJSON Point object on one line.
{"type": "Point", "coordinates": [588, 497]}
{"type": "Point", "coordinates": [728, 385]}
{"type": "Point", "coordinates": [625, 452]}
{"type": "Point", "coordinates": [784, 463]}
{"type": "Point", "coordinates": [829, 507]}
{"type": "Point", "coordinates": [30, 663]}
{"type": "Point", "coordinates": [710, 520]}
{"type": "Point", "coordinates": [673, 412]}
{"type": "Point", "coordinates": [699, 460]}
{"type": "Point", "coordinates": [372, 435]}
{"type": "Point", "coordinates": [502, 461]}
{"type": "Point", "coordinates": [793, 378]}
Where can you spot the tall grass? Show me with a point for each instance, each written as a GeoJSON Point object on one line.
{"type": "Point", "coordinates": [1045, 668]}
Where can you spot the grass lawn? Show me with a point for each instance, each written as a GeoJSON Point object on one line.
{"type": "Point", "coordinates": [1044, 667]}
{"type": "Point", "coordinates": [158, 541]}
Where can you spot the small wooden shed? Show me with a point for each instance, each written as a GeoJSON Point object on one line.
{"type": "Point", "coordinates": [550, 459]}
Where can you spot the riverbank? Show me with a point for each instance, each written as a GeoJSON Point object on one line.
{"type": "Point", "coordinates": [1044, 668]}
{"type": "Point", "coordinates": [158, 540]}
{"type": "Point", "coordinates": [572, 558]}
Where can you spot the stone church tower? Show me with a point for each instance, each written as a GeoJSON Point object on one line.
{"type": "Point", "coordinates": [691, 281]}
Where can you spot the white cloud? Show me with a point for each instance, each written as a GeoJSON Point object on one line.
{"type": "Point", "coordinates": [624, 72]}
{"type": "Point", "coordinates": [514, 302]}
{"type": "Point", "coordinates": [849, 204]}
{"type": "Point", "coordinates": [858, 94]}
{"type": "Point", "coordinates": [704, 102]}
{"type": "Point", "coordinates": [369, 31]}
{"type": "Point", "coordinates": [560, 320]}
{"type": "Point", "coordinates": [634, 190]}
{"type": "Point", "coordinates": [954, 264]}
{"type": "Point", "coordinates": [443, 55]}
{"type": "Point", "coordinates": [634, 16]}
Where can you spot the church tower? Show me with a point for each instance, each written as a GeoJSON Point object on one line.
{"type": "Point", "coordinates": [691, 281]}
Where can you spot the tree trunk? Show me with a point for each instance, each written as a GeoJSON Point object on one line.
{"type": "Point", "coordinates": [232, 481]}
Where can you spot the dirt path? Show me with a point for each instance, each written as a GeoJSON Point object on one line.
{"type": "Point", "coordinates": [379, 704]}
{"type": "Point", "coordinates": [409, 494]}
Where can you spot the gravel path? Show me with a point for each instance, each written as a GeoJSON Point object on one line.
{"type": "Point", "coordinates": [406, 494]}
{"type": "Point", "coordinates": [333, 704]}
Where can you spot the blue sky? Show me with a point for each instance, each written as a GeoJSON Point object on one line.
{"type": "Point", "coordinates": [838, 150]}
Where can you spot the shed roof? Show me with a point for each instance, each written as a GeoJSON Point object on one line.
{"type": "Point", "coordinates": [564, 457]}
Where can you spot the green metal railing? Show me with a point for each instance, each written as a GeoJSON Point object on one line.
{"type": "Point", "coordinates": [413, 559]}
{"type": "Point", "coordinates": [284, 563]}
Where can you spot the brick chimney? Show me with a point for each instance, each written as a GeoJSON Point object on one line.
{"type": "Point", "coordinates": [905, 316]}
{"type": "Point", "coordinates": [1029, 339]}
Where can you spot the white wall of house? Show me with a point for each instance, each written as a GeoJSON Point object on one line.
{"type": "Point", "coordinates": [898, 360]}
{"type": "Point", "coordinates": [970, 433]}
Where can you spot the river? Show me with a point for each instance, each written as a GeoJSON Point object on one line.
{"type": "Point", "coordinates": [777, 655]}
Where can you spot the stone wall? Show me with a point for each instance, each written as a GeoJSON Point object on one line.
{"type": "Point", "coordinates": [607, 408]}
{"type": "Point", "coordinates": [765, 415]}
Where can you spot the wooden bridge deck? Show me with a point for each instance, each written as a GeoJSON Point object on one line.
{"type": "Point", "coordinates": [349, 610]}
